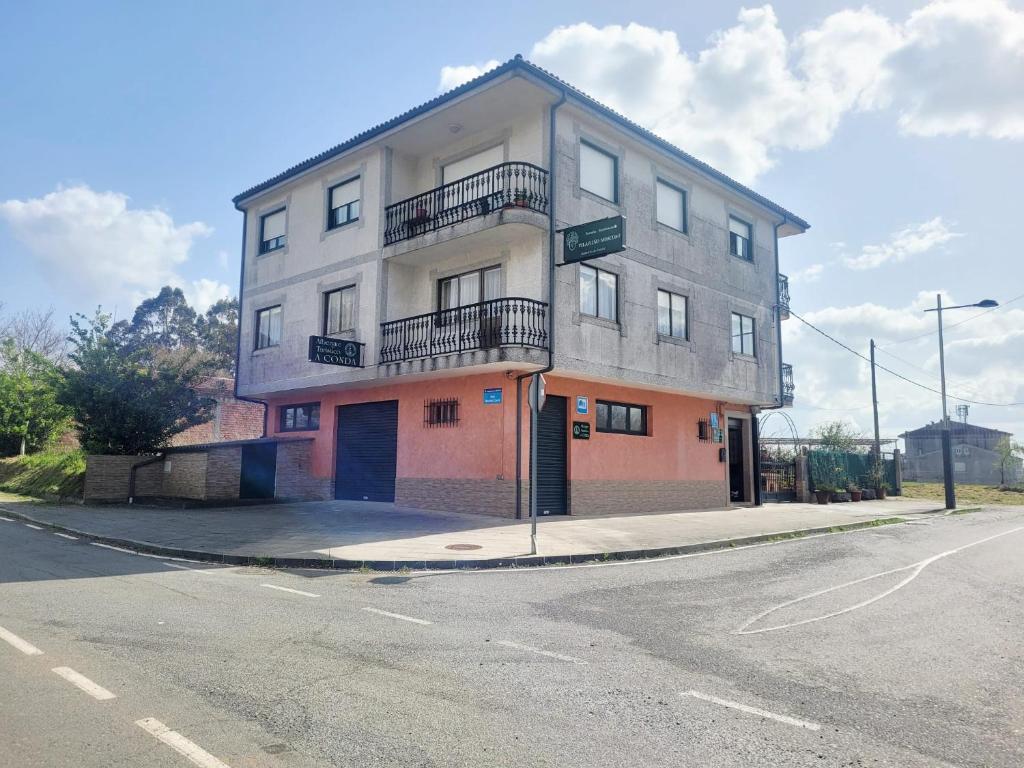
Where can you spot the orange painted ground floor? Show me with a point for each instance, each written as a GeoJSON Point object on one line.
{"type": "Point", "coordinates": [450, 444]}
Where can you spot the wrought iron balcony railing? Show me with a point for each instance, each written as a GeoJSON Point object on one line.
{"type": "Point", "coordinates": [788, 387]}
{"type": "Point", "coordinates": [490, 324]}
{"type": "Point", "coordinates": [508, 185]}
{"type": "Point", "coordinates": [783, 297]}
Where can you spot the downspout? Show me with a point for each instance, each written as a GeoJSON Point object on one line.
{"type": "Point", "coordinates": [552, 185]}
{"type": "Point", "coordinates": [238, 336]}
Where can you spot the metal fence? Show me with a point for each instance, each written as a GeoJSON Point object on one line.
{"type": "Point", "coordinates": [839, 469]}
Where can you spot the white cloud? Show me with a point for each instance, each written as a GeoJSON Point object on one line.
{"type": "Point", "coordinates": [97, 249]}
{"type": "Point", "coordinates": [453, 77]}
{"type": "Point", "coordinates": [809, 274]}
{"type": "Point", "coordinates": [902, 245]}
{"type": "Point", "coordinates": [203, 292]}
{"type": "Point", "coordinates": [953, 67]}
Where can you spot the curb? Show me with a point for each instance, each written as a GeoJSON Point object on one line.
{"type": "Point", "coordinates": [526, 561]}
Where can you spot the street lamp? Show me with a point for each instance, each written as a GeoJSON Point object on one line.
{"type": "Point", "coordinates": [947, 444]}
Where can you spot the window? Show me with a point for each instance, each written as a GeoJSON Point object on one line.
{"type": "Point", "coordinates": [622, 418]}
{"type": "Point", "coordinates": [476, 163]}
{"type": "Point", "coordinates": [441, 413]}
{"type": "Point", "coordinates": [671, 206]}
{"type": "Point", "coordinates": [742, 334]}
{"type": "Point", "coordinates": [599, 293]}
{"type": "Point", "coordinates": [339, 310]}
{"type": "Point", "coordinates": [296, 418]}
{"type": "Point", "coordinates": [739, 239]}
{"type": "Point", "coordinates": [598, 172]}
{"type": "Point", "coordinates": [343, 203]}
{"type": "Point", "coordinates": [465, 289]}
{"type": "Point", "coordinates": [272, 234]}
{"type": "Point", "coordinates": [671, 314]}
{"type": "Point", "coordinates": [268, 327]}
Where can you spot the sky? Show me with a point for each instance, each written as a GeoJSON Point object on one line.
{"type": "Point", "coordinates": [895, 128]}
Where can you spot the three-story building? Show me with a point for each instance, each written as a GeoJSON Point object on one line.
{"type": "Point", "coordinates": [429, 250]}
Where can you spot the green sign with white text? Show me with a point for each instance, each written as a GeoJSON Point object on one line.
{"type": "Point", "coordinates": [593, 239]}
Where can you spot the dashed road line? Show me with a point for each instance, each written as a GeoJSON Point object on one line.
{"type": "Point", "coordinates": [98, 692]}
{"type": "Point", "coordinates": [754, 710]}
{"type": "Point", "coordinates": [34, 527]}
{"type": "Point", "coordinates": [66, 536]}
{"type": "Point", "coordinates": [399, 616]}
{"type": "Point", "coordinates": [180, 744]}
{"type": "Point", "coordinates": [289, 589]}
{"type": "Point", "coordinates": [22, 645]}
{"type": "Point", "coordinates": [541, 651]}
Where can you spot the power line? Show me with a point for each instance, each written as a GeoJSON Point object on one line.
{"type": "Point", "coordinates": [925, 371]}
{"type": "Point", "coordinates": [852, 351]}
{"type": "Point", "coordinates": [952, 325]}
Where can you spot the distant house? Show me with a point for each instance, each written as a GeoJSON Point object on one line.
{"type": "Point", "coordinates": [233, 419]}
{"type": "Point", "coordinates": [975, 459]}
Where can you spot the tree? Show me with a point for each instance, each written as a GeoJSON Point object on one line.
{"type": "Point", "coordinates": [837, 436]}
{"type": "Point", "coordinates": [1009, 452]}
{"type": "Point", "coordinates": [126, 398]}
{"type": "Point", "coordinates": [163, 322]}
{"type": "Point", "coordinates": [30, 414]}
{"type": "Point", "coordinates": [34, 330]}
{"type": "Point", "coordinates": [218, 333]}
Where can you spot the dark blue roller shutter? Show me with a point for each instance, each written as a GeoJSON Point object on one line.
{"type": "Point", "coordinates": [552, 429]}
{"type": "Point", "coordinates": [367, 452]}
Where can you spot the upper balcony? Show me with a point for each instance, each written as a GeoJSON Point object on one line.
{"type": "Point", "coordinates": [783, 297]}
{"type": "Point", "coordinates": [788, 387]}
{"type": "Point", "coordinates": [505, 186]}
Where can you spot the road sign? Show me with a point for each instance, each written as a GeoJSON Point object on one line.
{"type": "Point", "coordinates": [536, 399]}
{"type": "Point", "coordinates": [593, 239]}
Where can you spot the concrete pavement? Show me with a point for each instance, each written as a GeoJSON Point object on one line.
{"type": "Point", "coordinates": [626, 663]}
{"type": "Point", "coordinates": [350, 534]}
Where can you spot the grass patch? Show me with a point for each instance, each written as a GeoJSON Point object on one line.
{"type": "Point", "coordinates": [983, 495]}
{"type": "Point", "coordinates": [44, 474]}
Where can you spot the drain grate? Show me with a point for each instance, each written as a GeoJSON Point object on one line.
{"type": "Point", "coordinates": [463, 547]}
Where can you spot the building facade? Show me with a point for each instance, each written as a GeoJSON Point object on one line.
{"type": "Point", "coordinates": [975, 458]}
{"type": "Point", "coordinates": [429, 251]}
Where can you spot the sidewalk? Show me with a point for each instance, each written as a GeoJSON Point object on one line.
{"type": "Point", "coordinates": [343, 534]}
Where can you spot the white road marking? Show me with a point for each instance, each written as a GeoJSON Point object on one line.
{"type": "Point", "coordinates": [98, 692]}
{"type": "Point", "coordinates": [34, 527]}
{"type": "Point", "coordinates": [180, 744]}
{"type": "Point", "coordinates": [22, 645]}
{"type": "Point", "coordinates": [914, 568]}
{"type": "Point", "coordinates": [66, 536]}
{"type": "Point", "coordinates": [542, 652]}
{"type": "Point", "coordinates": [111, 546]}
{"type": "Point", "coordinates": [398, 616]}
{"type": "Point", "coordinates": [754, 711]}
{"type": "Point", "coordinates": [289, 589]}
{"type": "Point", "coordinates": [200, 571]}
{"type": "Point", "coordinates": [7, 519]}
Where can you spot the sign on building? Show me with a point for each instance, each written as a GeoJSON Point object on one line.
{"type": "Point", "coordinates": [323, 349]}
{"type": "Point", "coordinates": [581, 430]}
{"type": "Point", "coordinates": [582, 404]}
{"type": "Point", "coordinates": [593, 239]}
{"type": "Point", "coordinates": [492, 396]}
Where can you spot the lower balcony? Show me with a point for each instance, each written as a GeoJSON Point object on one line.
{"type": "Point", "coordinates": [788, 387]}
{"type": "Point", "coordinates": [489, 325]}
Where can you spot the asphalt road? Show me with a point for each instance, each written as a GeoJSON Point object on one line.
{"type": "Point", "coordinates": [676, 662]}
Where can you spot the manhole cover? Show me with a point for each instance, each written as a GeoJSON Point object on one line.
{"type": "Point", "coordinates": [463, 547]}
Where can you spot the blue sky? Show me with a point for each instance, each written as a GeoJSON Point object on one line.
{"type": "Point", "coordinates": [911, 183]}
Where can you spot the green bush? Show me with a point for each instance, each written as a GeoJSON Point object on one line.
{"type": "Point", "coordinates": [48, 473]}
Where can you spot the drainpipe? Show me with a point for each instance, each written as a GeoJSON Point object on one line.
{"type": "Point", "coordinates": [238, 336]}
{"type": "Point", "coordinates": [552, 185]}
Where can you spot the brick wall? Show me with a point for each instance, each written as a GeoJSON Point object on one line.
{"type": "Point", "coordinates": [608, 497]}
{"type": "Point", "coordinates": [294, 478]}
{"type": "Point", "coordinates": [107, 477]}
{"type": "Point", "coordinates": [240, 420]}
{"type": "Point", "coordinates": [223, 472]}
{"type": "Point", "coordinates": [149, 480]}
{"type": "Point", "coordinates": [481, 497]}
{"type": "Point", "coordinates": [185, 475]}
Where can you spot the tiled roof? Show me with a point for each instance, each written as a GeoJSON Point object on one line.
{"type": "Point", "coordinates": [521, 64]}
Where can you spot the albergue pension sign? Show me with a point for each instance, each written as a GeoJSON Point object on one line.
{"type": "Point", "coordinates": [593, 239]}
{"type": "Point", "coordinates": [324, 349]}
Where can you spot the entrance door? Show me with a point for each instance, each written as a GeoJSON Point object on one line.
{"type": "Point", "coordinates": [259, 471]}
{"type": "Point", "coordinates": [551, 457]}
{"type": "Point", "coordinates": [367, 454]}
{"type": "Point", "coordinates": [737, 464]}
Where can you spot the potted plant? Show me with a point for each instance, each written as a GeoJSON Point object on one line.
{"type": "Point", "coordinates": [881, 490]}
{"type": "Point", "coordinates": [420, 215]}
{"type": "Point", "coordinates": [854, 491]}
{"type": "Point", "coordinates": [877, 478]}
{"type": "Point", "coordinates": [867, 494]}
{"type": "Point", "coordinates": [840, 496]}
{"type": "Point", "coordinates": [823, 493]}
{"type": "Point", "coordinates": [520, 198]}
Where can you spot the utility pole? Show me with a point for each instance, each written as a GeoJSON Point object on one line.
{"type": "Point", "coordinates": [874, 405]}
{"type": "Point", "coordinates": [947, 440]}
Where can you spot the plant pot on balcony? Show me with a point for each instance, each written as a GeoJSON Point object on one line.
{"type": "Point", "coordinates": [420, 216]}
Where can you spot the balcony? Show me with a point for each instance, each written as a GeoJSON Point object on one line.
{"type": "Point", "coordinates": [513, 322]}
{"type": "Point", "coordinates": [509, 185]}
{"type": "Point", "coordinates": [788, 387]}
{"type": "Point", "coordinates": [783, 297]}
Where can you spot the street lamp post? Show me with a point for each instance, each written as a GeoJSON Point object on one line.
{"type": "Point", "coordinates": [947, 441]}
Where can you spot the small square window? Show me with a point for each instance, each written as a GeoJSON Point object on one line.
{"type": "Point", "coordinates": [268, 327]}
{"type": "Point", "coordinates": [743, 334]}
{"type": "Point", "coordinates": [441, 413]}
{"type": "Point", "coordinates": [339, 310]}
{"type": "Point", "coordinates": [300, 418]}
{"type": "Point", "coordinates": [671, 314]}
{"type": "Point", "coordinates": [343, 204]}
{"type": "Point", "coordinates": [599, 172]}
{"type": "Point", "coordinates": [740, 239]}
{"type": "Point", "coordinates": [272, 231]}
{"type": "Point", "coordinates": [671, 206]}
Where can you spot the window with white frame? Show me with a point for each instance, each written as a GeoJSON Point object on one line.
{"type": "Point", "coordinates": [598, 172]}
{"type": "Point", "coordinates": [339, 310]}
{"type": "Point", "coordinates": [599, 293]}
{"type": "Point", "coordinates": [268, 327]}
{"type": "Point", "coordinates": [343, 203]}
{"type": "Point", "coordinates": [469, 288]}
{"type": "Point", "coordinates": [742, 334]}
{"type": "Point", "coordinates": [740, 239]}
{"type": "Point", "coordinates": [272, 231]}
{"type": "Point", "coordinates": [671, 206]}
{"type": "Point", "coordinates": [672, 314]}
